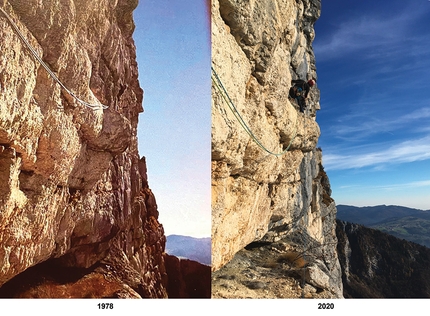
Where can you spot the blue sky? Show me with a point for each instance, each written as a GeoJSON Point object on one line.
{"type": "Point", "coordinates": [373, 64]}
{"type": "Point", "coordinates": [173, 53]}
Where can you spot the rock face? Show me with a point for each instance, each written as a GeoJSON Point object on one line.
{"type": "Point", "coordinates": [72, 186]}
{"type": "Point", "coordinates": [378, 265]}
{"type": "Point", "coordinates": [258, 47]}
{"type": "Point", "coordinates": [187, 278]}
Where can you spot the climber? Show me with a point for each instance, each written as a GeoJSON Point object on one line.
{"type": "Point", "coordinates": [300, 92]}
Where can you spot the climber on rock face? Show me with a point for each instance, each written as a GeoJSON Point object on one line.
{"type": "Point", "coordinates": [300, 92]}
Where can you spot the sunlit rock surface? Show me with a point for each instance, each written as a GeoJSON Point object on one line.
{"type": "Point", "coordinates": [258, 47]}
{"type": "Point", "coordinates": [72, 185]}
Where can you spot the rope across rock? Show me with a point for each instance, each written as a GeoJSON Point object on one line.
{"type": "Point", "coordinates": [39, 59]}
{"type": "Point", "coordinates": [218, 84]}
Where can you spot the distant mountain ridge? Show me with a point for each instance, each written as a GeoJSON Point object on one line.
{"type": "Point", "coordinates": [402, 222]}
{"type": "Point", "coordinates": [197, 249]}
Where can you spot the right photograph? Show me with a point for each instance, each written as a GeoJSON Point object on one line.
{"type": "Point", "coordinates": [320, 163]}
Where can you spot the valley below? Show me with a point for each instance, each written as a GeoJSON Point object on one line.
{"type": "Point", "coordinates": [402, 222]}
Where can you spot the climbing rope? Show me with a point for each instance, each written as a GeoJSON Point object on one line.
{"type": "Point", "coordinates": [305, 139]}
{"type": "Point", "coordinates": [218, 84]}
{"type": "Point", "coordinates": [39, 59]}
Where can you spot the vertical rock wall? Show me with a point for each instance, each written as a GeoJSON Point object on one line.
{"type": "Point", "coordinates": [72, 186]}
{"type": "Point", "coordinates": [258, 47]}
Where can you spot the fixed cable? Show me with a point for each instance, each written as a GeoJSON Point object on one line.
{"type": "Point", "coordinates": [218, 84]}
{"type": "Point", "coordinates": [39, 59]}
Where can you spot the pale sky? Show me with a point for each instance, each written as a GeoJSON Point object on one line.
{"type": "Point", "coordinates": [173, 54]}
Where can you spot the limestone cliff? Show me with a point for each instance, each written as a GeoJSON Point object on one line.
{"type": "Point", "coordinates": [74, 193]}
{"type": "Point", "coordinates": [282, 201]}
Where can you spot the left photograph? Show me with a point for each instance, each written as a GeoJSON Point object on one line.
{"type": "Point", "coordinates": [105, 149]}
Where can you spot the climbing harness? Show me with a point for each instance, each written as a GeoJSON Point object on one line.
{"type": "Point", "coordinates": [298, 92]}
{"type": "Point", "coordinates": [299, 97]}
{"type": "Point", "coordinates": [39, 59]}
{"type": "Point", "coordinates": [218, 84]}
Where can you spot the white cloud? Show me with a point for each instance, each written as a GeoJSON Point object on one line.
{"type": "Point", "coordinates": [373, 123]}
{"type": "Point", "coordinates": [387, 187]}
{"type": "Point", "coordinates": [404, 152]}
{"type": "Point", "coordinates": [416, 115]}
{"type": "Point", "coordinates": [413, 184]}
{"type": "Point", "coordinates": [372, 35]}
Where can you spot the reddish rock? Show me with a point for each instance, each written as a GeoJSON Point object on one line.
{"type": "Point", "coordinates": [73, 188]}
{"type": "Point", "coordinates": [187, 278]}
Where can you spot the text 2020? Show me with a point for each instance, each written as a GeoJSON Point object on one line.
{"type": "Point", "coordinates": [325, 305]}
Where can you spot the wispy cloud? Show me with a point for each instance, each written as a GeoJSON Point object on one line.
{"type": "Point", "coordinates": [373, 35]}
{"type": "Point", "coordinates": [388, 187]}
{"type": "Point", "coordinates": [413, 184]}
{"type": "Point", "coordinates": [418, 114]}
{"type": "Point", "coordinates": [364, 123]}
{"type": "Point", "coordinates": [404, 152]}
